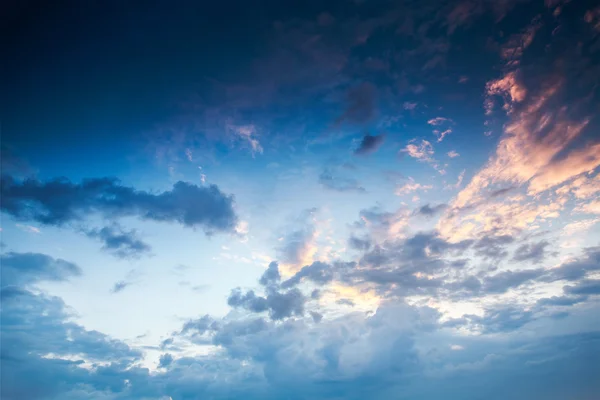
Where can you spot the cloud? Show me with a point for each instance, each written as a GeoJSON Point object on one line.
{"type": "Point", "coordinates": [20, 269]}
{"type": "Point", "coordinates": [339, 183]}
{"type": "Point", "coordinates": [317, 272]}
{"type": "Point", "coordinates": [370, 144]}
{"type": "Point", "coordinates": [410, 187]}
{"type": "Point", "coordinates": [359, 244]}
{"type": "Point", "coordinates": [439, 121]}
{"type": "Point", "coordinates": [453, 154]}
{"type": "Point", "coordinates": [271, 276]}
{"type": "Point", "coordinates": [429, 211]}
{"type": "Point", "coordinates": [422, 152]}
{"type": "Point", "coordinates": [120, 286]}
{"type": "Point", "coordinates": [28, 228]}
{"type": "Point", "coordinates": [535, 252]}
{"type": "Point", "coordinates": [280, 305]}
{"type": "Point", "coordinates": [441, 134]}
{"type": "Point", "coordinates": [58, 201]}
{"type": "Point", "coordinates": [165, 360]}
{"type": "Point", "coordinates": [585, 287]}
{"type": "Point", "coordinates": [245, 133]}
{"type": "Point", "coordinates": [298, 243]}
{"type": "Point", "coordinates": [493, 246]}
{"type": "Point", "coordinates": [121, 243]}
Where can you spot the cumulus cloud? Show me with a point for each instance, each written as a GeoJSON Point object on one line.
{"type": "Point", "coordinates": [59, 201]}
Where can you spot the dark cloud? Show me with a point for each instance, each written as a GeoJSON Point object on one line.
{"type": "Point", "coordinates": [121, 243]}
{"type": "Point", "coordinates": [575, 269]}
{"type": "Point", "coordinates": [21, 269]}
{"type": "Point", "coordinates": [492, 246]}
{"type": "Point", "coordinates": [58, 201]}
{"type": "Point", "coordinates": [280, 305]}
{"type": "Point", "coordinates": [404, 264]}
{"type": "Point", "coordinates": [561, 300]}
{"type": "Point", "coordinates": [534, 252]}
{"type": "Point", "coordinates": [429, 211]}
{"type": "Point", "coordinates": [503, 281]}
{"type": "Point", "coordinates": [200, 326]}
{"type": "Point", "coordinates": [317, 272]}
{"type": "Point", "coordinates": [165, 360]}
{"type": "Point", "coordinates": [271, 276]}
{"type": "Point", "coordinates": [332, 181]}
{"type": "Point", "coordinates": [584, 287]}
{"type": "Point", "coordinates": [359, 244]}
{"type": "Point", "coordinates": [369, 144]}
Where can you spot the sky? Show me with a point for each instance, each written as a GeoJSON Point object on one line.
{"type": "Point", "coordinates": [300, 200]}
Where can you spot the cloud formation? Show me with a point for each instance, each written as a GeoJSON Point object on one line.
{"type": "Point", "coordinates": [369, 144]}
{"type": "Point", "coordinates": [58, 202]}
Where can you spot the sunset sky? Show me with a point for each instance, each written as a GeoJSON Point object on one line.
{"type": "Point", "coordinates": [353, 199]}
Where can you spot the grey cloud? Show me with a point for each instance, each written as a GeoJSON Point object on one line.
{"type": "Point", "coordinates": [317, 317]}
{"type": "Point", "coordinates": [493, 246]}
{"type": "Point", "coordinates": [501, 192]}
{"type": "Point", "coordinates": [317, 272]}
{"type": "Point", "coordinates": [280, 305]}
{"type": "Point", "coordinates": [585, 287]}
{"type": "Point", "coordinates": [359, 244]}
{"type": "Point", "coordinates": [429, 211]}
{"type": "Point", "coordinates": [561, 300]}
{"type": "Point", "coordinates": [200, 326]}
{"type": "Point", "coordinates": [165, 360]}
{"type": "Point", "coordinates": [535, 252]}
{"type": "Point", "coordinates": [26, 268]}
{"type": "Point", "coordinates": [58, 201]}
{"type": "Point", "coordinates": [249, 301]}
{"type": "Point", "coordinates": [271, 276]}
{"type": "Point", "coordinates": [577, 268]}
{"type": "Point", "coordinates": [122, 244]}
{"type": "Point", "coordinates": [506, 280]}
{"type": "Point", "coordinates": [369, 144]}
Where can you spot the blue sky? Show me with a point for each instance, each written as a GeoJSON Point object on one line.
{"type": "Point", "coordinates": [301, 200]}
